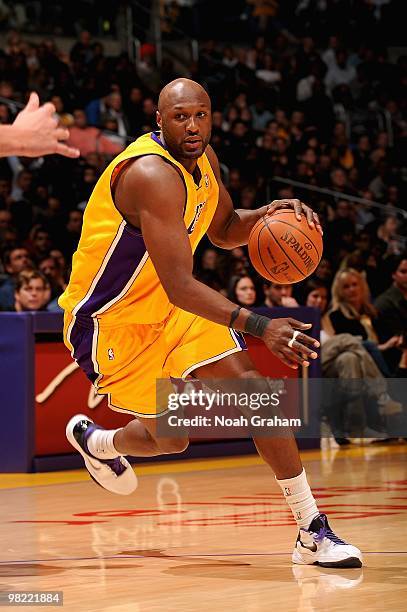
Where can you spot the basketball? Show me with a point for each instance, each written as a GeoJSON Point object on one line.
{"type": "Point", "coordinates": [284, 250]}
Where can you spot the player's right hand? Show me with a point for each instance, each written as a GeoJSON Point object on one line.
{"type": "Point", "coordinates": [278, 334]}
{"type": "Point", "coordinates": [40, 132]}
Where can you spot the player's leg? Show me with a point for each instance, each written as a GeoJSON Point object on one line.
{"type": "Point", "coordinates": [316, 543]}
{"type": "Point", "coordinates": [139, 438]}
{"type": "Point", "coordinates": [103, 449]}
{"type": "Point", "coordinates": [129, 361]}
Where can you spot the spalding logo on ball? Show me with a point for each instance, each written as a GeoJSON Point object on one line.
{"type": "Point", "coordinates": [283, 249]}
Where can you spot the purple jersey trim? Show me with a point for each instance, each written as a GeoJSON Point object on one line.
{"type": "Point", "coordinates": [154, 136]}
{"type": "Point", "coordinates": [121, 266]}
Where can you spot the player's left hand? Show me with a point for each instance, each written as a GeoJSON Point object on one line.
{"type": "Point", "coordinates": [299, 208]}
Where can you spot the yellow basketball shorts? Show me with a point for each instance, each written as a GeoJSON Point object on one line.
{"type": "Point", "coordinates": [124, 363]}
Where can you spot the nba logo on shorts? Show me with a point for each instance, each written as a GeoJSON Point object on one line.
{"type": "Point", "coordinates": [110, 354]}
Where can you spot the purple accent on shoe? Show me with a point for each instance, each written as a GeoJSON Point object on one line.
{"type": "Point", "coordinates": [115, 464]}
{"type": "Point", "coordinates": [322, 530]}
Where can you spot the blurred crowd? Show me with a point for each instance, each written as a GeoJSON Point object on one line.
{"type": "Point", "coordinates": [301, 101]}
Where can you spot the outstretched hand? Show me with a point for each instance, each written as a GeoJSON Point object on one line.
{"type": "Point", "coordinates": [278, 337]}
{"type": "Point", "coordinates": [40, 132]}
{"type": "Point", "coordinates": [299, 208]}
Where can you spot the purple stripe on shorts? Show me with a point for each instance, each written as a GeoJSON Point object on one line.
{"type": "Point", "coordinates": [240, 339]}
{"type": "Point", "coordinates": [81, 339]}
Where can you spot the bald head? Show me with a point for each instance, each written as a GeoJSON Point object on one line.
{"type": "Point", "coordinates": [185, 120]}
{"type": "Point", "coordinates": [180, 91]}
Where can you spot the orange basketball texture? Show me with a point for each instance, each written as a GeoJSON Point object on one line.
{"type": "Point", "coordinates": [283, 249]}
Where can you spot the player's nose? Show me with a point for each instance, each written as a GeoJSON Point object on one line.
{"type": "Point", "coordinates": [192, 127]}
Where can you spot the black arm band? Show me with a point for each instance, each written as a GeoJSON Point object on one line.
{"type": "Point", "coordinates": [234, 315]}
{"type": "Point", "coordinates": [256, 324]}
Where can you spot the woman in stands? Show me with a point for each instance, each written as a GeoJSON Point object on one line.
{"type": "Point", "coordinates": [353, 313]}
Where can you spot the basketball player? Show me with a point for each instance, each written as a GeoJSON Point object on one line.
{"type": "Point", "coordinates": [134, 312]}
{"type": "Point", "coordinates": [35, 132]}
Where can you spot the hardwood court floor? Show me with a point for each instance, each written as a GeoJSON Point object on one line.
{"type": "Point", "coordinates": [207, 535]}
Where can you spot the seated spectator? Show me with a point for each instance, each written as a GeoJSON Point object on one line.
{"type": "Point", "coordinates": [114, 110]}
{"type": "Point", "coordinates": [31, 292]}
{"type": "Point", "coordinates": [324, 271]}
{"type": "Point", "coordinates": [315, 294]}
{"type": "Point", "coordinates": [354, 410]}
{"type": "Point", "coordinates": [386, 234]}
{"type": "Point", "coordinates": [5, 219]}
{"type": "Point", "coordinates": [278, 295]}
{"type": "Point", "coordinates": [14, 261]}
{"type": "Point", "coordinates": [88, 138]}
{"type": "Point", "coordinates": [65, 119]}
{"type": "Point", "coordinates": [39, 242]}
{"type": "Point", "coordinates": [50, 268]}
{"type": "Point", "coordinates": [268, 72]}
{"type": "Point", "coordinates": [392, 309]}
{"type": "Point", "coordinates": [207, 269]}
{"type": "Point", "coordinates": [352, 313]}
{"type": "Point", "coordinates": [242, 291]}
{"type": "Point", "coordinates": [260, 114]}
{"type": "Point", "coordinates": [339, 73]}
{"type": "Point", "coordinates": [69, 241]}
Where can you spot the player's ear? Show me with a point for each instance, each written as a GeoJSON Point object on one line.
{"type": "Point", "coordinates": [158, 119]}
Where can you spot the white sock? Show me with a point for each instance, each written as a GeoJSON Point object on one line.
{"type": "Point", "coordinates": [299, 497]}
{"type": "Point", "coordinates": [100, 443]}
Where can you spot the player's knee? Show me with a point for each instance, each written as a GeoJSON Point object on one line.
{"type": "Point", "coordinates": [172, 445]}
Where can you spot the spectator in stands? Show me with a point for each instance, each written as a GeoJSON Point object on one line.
{"type": "Point", "coordinates": [81, 52]}
{"type": "Point", "coordinates": [31, 292]}
{"type": "Point", "coordinates": [343, 356]}
{"type": "Point", "coordinates": [69, 241]}
{"type": "Point", "coordinates": [278, 295]}
{"type": "Point", "coordinates": [39, 242]}
{"type": "Point", "coordinates": [5, 219]}
{"type": "Point", "coordinates": [65, 119]}
{"type": "Point", "coordinates": [207, 269]}
{"type": "Point", "coordinates": [89, 139]}
{"type": "Point", "coordinates": [114, 111]}
{"type": "Point", "coordinates": [392, 309]}
{"type": "Point", "coordinates": [315, 294]}
{"type": "Point", "coordinates": [339, 72]}
{"type": "Point", "coordinates": [385, 233]}
{"type": "Point", "coordinates": [352, 313]}
{"type": "Point", "coordinates": [14, 261]}
{"type": "Point", "coordinates": [50, 268]}
{"type": "Point", "coordinates": [242, 291]}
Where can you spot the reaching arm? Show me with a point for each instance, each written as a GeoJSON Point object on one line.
{"type": "Point", "coordinates": [156, 206]}
{"type": "Point", "coordinates": [35, 132]}
{"type": "Point", "coordinates": [231, 228]}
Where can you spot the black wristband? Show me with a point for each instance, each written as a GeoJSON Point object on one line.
{"type": "Point", "coordinates": [256, 324]}
{"type": "Point", "coordinates": [234, 315]}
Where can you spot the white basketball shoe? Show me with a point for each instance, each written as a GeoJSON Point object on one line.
{"type": "Point", "coordinates": [115, 475]}
{"type": "Point", "coordinates": [318, 545]}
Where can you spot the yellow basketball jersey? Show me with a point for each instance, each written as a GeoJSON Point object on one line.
{"type": "Point", "coordinates": [113, 278]}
